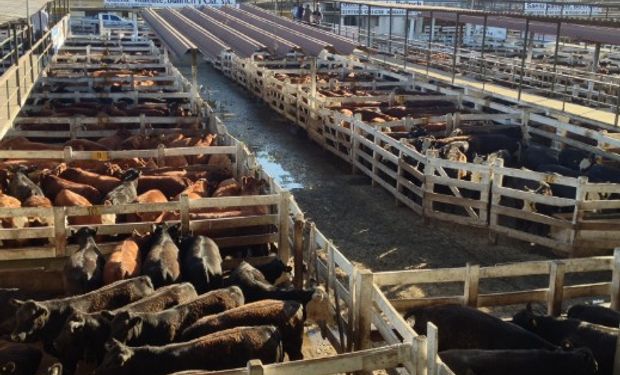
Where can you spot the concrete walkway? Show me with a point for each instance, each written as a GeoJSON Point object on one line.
{"type": "Point", "coordinates": [586, 113]}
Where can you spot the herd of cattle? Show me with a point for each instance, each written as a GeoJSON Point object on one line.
{"type": "Point", "coordinates": [473, 342]}
{"type": "Point", "coordinates": [47, 183]}
{"type": "Point", "coordinates": [183, 313]}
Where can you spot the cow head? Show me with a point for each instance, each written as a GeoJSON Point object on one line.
{"type": "Point", "coordinates": [117, 355]}
{"type": "Point", "coordinates": [72, 333]}
{"type": "Point", "coordinates": [84, 234]}
{"type": "Point", "coordinates": [126, 326]}
{"type": "Point", "coordinates": [130, 175]}
{"type": "Point", "coordinates": [8, 367]}
{"type": "Point", "coordinates": [30, 318]}
{"type": "Point", "coordinates": [527, 319]}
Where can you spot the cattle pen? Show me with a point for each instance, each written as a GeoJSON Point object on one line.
{"type": "Point", "coordinates": [115, 102]}
{"type": "Point", "coordinates": [87, 65]}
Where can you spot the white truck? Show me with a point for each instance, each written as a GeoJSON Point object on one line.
{"type": "Point", "coordinates": [108, 20]}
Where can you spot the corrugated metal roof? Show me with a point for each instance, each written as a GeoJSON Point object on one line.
{"type": "Point", "coordinates": [208, 44]}
{"type": "Point", "coordinates": [243, 45]}
{"type": "Point", "coordinates": [311, 46]}
{"type": "Point", "coordinates": [342, 45]}
{"type": "Point", "coordinates": [279, 47]}
{"type": "Point", "coordinates": [13, 10]}
{"type": "Point", "coordinates": [173, 39]}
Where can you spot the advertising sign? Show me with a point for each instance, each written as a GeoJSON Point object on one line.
{"type": "Point", "coordinates": [354, 9]}
{"type": "Point", "coordinates": [542, 9]}
{"type": "Point", "coordinates": [164, 3]}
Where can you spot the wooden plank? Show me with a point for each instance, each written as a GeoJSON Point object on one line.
{"type": "Point", "coordinates": [424, 276]}
{"type": "Point", "coordinates": [512, 298]}
{"type": "Point", "coordinates": [410, 303]}
{"type": "Point", "coordinates": [556, 288]}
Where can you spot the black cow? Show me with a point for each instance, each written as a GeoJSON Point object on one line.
{"type": "Point", "coordinates": [127, 191]}
{"type": "Point", "coordinates": [462, 327]}
{"type": "Point", "coordinates": [595, 314]}
{"type": "Point", "coordinates": [161, 263]}
{"type": "Point", "coordinates": [44, 319]}
{"type": "Point", "coordinates": [83, 270]}
{"type": "Point", "coordinates": [19, 359]}
{"type": "Point", "coordinates": [571, 157]}
{"type": "Point", "coordinates": [601, 173]}
{"type": "Point", "coordinates": [274, 270]}
{"type": "Point", "coordinates": [288, 316]}
{"type": "Point", "coordinates": [534, 155]}
{"type": "Point", "coordinates": [7, 309]}
{"type": "Point", "coordinates": [256, 287]}
{"type": "Point", "coordinates": [573, 333]}
{"type": "Point", "coordinates": [222, 350]}
{"type": "Point", "coordinates": [201, 263]}
{"type": "Point", "coordinates": [83, 336]}
{"type": "Point", "coordinates": [519, 362]}
{"type": "Point", "coordinates": [21, 187]}
{"type": "Point", "coordinates": [160, 328]}
{"type": "Point", "coordinates": [484, 144]}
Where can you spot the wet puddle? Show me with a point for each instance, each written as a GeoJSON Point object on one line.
{"type": "Point", "coordinates": [275, 170]}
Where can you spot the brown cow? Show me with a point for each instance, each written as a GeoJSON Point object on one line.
{"type": "Point", "coordinates": [69, 198]}
{"type": "Point", "coordinates": [124, 262]}
{"type": "Point", "coordinates": [23, 143]}
{"type": "Point", "coordinates": [114, 142]}
{"type": "Point", "coordinates": [151, 196]}
{"type": "Point", "coordinates": [227, 188]}
{"type": "Point", "coordinates": [7, 201]}
{"type": "Point", "coordinates": [199, 189]}
{"type": "Point", "coordinates": [171, 186]}
{"type": "Point", "coordinates": [52, 185]}
{"type": "Point", "coordinates": [41, 202]}
{"type": "Point", "coordinates": [102, 183]}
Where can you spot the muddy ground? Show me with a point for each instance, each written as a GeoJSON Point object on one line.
{"type": "Point", "coordinates": [363, 221]}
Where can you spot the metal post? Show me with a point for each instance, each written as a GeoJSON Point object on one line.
{"type": "Point", "coordinates": [339, 18]}
{"type": "Point", "coordinates": [430, 44]}
{"type": "Point", "coordinates": [359, 24]}
{"type": "Point", "coordinates": [368, 29]}
{"type": "Point", "coordinates": [456, 47]}
{"type": "Point", "coordinates": [390, 33]}
{"type": "Point", "coordinates": [406, 38]}
{"type": "Point", "coordinates": [484, 39]}
{"type": "Point", "coordinates": [617, 106]}
{"type": "Point", "coordinates": [555, 57]}
{"type": "Point", "coordinates": [525, 38]}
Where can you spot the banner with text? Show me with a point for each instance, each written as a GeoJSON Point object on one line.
{"type": "Point", "coordinates": [354, 9]}
{"type": "Point", "coordinates": [164, 3]}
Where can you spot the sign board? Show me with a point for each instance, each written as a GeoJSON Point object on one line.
{"type": "Point", "coordinates": [493, 33]}
{"type": "Point", "coordinates": [542, 9]}
{"type": "Point", "coordinates": [354, 9]}
{"type": "Point", "coordinates": [164, 3]}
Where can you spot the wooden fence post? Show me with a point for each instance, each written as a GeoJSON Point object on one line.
{"type": "Point", "coordinates": [615, 281]}
{"type": "Point", "coordinates": [429, 170]}
{"type": "Point", "coordinates": [472, 279]}
{"type": "Point", "coordinates": [60, 231]}
{"type": "Point", "coordinates": [497, 180]}
{"type": "Point", "coordinates": [255, 367]}
{"type": "Point", "coordinates": [421, 359]}
{"type": "Point", "coordinates": [283, 245]}
{"type": "Point", "coordinates": [556, 288]}
{"type": "Point", "coordinates": [432, 345]}
{"type": "Point", "coordinates": [580, 197]}
{"type": "Point", "coordinates": [298, 248]}
{"type": "Point", "coordinates": [184, 212]}
{"type": "Point", "coordinates": [364, 309]}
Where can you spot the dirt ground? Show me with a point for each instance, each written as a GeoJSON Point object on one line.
{"type": "Point", "coordinates": [363, 221]}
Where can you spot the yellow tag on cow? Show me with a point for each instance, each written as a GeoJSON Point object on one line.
{"type": "Point", "coordinates": [100, 155]}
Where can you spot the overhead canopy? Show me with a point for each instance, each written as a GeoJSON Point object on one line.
{"type": "Point", "coordinates": [174, 40]}
{"type": "Point", "coordinates": [13, 10]}
{"type": "Point", "coordinates": [596, 34]}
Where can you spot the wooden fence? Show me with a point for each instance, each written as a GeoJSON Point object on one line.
{"type": "Point", "coordinates": [465, 193]}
